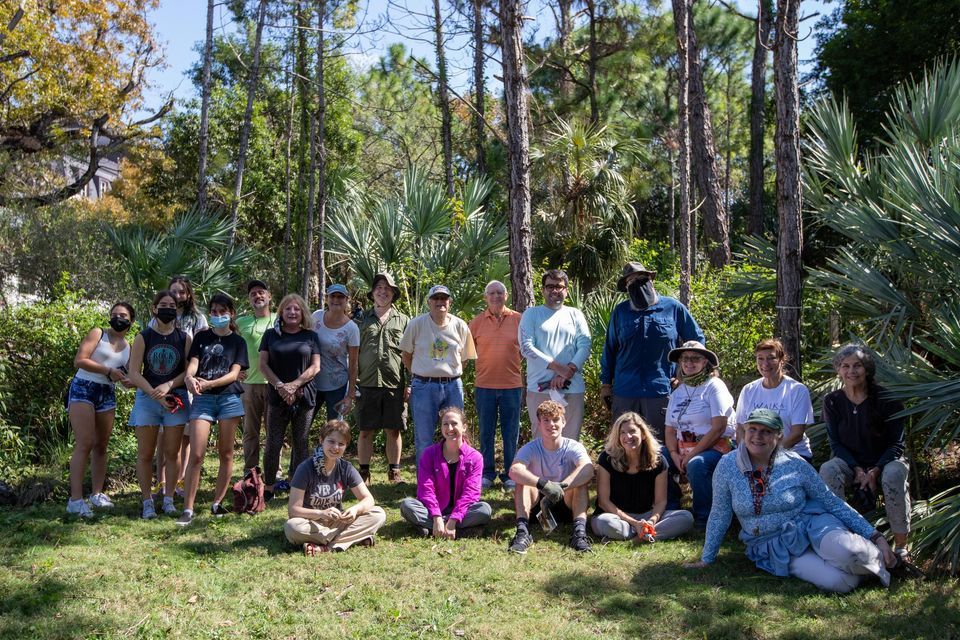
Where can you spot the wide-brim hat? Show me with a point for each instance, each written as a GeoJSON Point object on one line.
{"type": "Point", "coordinates": [628, 270]}
{"type": "Point", "coordinates": [386, 277]}
{"type": "Point", "coordinates": [693, 345]}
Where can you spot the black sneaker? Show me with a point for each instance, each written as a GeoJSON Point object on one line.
{"type": "Point", "coordinates": [580, 543]}
{"type": "Point", "coordinates": [520, 543]}
{"type": "Point", "coordinates": [218, 510]}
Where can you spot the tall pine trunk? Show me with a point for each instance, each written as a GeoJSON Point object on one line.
{"type": "Point", "coordinates": [444, 99]}
{"type": "Point", "coordinates": [758, 99]}
{"type": "Point", "coordinates": [480, 134]}
{"type": "Point", "coordinates": [592, 61]}
{"type": "Point", "coordinates": [515, 87]}
{"type": "Point", "coordinates": [789, 203]}
{"type": "Point", "coordinates": [704, 159]}
{"type": "Point", "coordinates": [252, 83]}
{"type": "Point", "coordinates": [205, 110]}
{"type": "Point", "coordinates": [321, 216]}
{"type": "Point", "coordinates": [681, 16]}
{"type": "Point", "coordinates": [287, 178]}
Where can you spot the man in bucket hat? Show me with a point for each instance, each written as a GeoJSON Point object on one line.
{"type": "Point", "coordinates": [381, 378]}
{"type": "Point", "coordinates": [635, 370]}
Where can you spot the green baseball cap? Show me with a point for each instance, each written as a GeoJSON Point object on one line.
{"type": "Point", "coordinates": [767, 417]}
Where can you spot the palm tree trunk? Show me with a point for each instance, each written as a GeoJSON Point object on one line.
{"type": "Point", "coordinates": [478, 89]}
{"type": "Point", "coordinates": [789, 203]}
{"type": "Point", "coordinates": [758, 86]}
{"type": "Point", "coordinates": [704, 159]}
{"type": "Point", "coordinates": [515, 87]}
{"type": "Point", "coordinates": [681, 15]}
{"type": "Point", "coordinates": [252, 83]}
{"type": "Point", "coordinates": [205, 111]}
{"type": "Point", "coordinates": [444, 100]}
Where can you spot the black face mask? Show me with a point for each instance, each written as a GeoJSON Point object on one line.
{"type": "Point", "coordinates": [119, 324]}
{"type": "Point", "coordinates": [642, 294]}
{"type": "Point", "coordinates": [166, 314]}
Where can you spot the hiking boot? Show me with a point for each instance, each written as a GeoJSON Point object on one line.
{"type": "Point", "coordinates": [394, 476]}
{"type": "Point", "coordinates": [149, 513]}
{"type": "Point", "coordinates": [185, 518]}
{"type": "Point", "coordinates": [520, 543]}
{"type": "Point", "coordinates": [79, 508]}
{"type": "Point", "coordinates": [101, 501]}
{"type": "Point", "coordinates": [169, 508]}
{"type": "Point", "coordinates": [580, 543]}
{"type": "Point", "coordinates": [365, 476]}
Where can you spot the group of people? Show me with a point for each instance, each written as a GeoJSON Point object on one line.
{"type": "Point", "coordinates": [672, 417]}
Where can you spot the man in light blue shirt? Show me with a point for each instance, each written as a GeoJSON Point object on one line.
{"type": "Point", "coordinates": [555, 340]}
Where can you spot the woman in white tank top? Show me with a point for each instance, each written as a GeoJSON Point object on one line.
{"type": "Point", "coordinates": [101, 362]}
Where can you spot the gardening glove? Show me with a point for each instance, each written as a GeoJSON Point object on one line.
{"type": "Point", "coordinates": [552, 491]}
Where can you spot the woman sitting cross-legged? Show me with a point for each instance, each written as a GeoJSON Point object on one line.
{"type": "Point", "coordinates": [791, 523]}
{"type": "Point", "coordinates": [448, 484]}
{"type": "Point", "coordinates": [632, 487]}
{"type": "Point", "coordinates": [318, 520]}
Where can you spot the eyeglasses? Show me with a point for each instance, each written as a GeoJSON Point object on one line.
{"type": "Point", "coordinates": [554, 287]}
{"type": "Point", "coordinates": [692, 359]}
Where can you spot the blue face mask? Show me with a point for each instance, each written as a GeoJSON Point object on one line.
{"type": "Point", "coordinates": [219, 322]}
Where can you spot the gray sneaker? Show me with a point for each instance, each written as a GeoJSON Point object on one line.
{"type": "Point", "coordinates": [520, 543]}
{"type": "Point", "coordinates": [168, 507]}
{"type": "Point", "coordinates": [149, 513]}
{"type": "Point", "coordinates": [79, 508]}
{"type": "Point", "coordinates": [185, 518]}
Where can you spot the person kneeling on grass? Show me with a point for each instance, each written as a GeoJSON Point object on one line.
{"type": "Point", "coordinates": [632, 487]}
{"type": "Point", "coordinates": [317, 518]}
{"type": "Point", "coordinates": [551, 472]}
{"type": "Point", "coordinates": [448, 484]}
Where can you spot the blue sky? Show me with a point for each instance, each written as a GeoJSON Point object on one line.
{"type": "Point", "coordinates": [180, 26]}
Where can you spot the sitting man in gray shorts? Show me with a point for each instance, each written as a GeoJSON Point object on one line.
{"type": "Point", "coordinates": [551, 472]}
{"type": "Point", "coordinates": [381, 378]}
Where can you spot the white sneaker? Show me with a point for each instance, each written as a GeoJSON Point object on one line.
{"type": "Point", "coordinates": [168, 507]}
{"type": "Point", "coordinates": [149, 513]}
{"type": "Point", "coordinates": [79, 508]}
{"type": "Point", "coordinates": [101, 501]}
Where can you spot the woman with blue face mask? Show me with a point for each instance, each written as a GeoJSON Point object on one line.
{"type": "Point", "coordinates": [217, 356]}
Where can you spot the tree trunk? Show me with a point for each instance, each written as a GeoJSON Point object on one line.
{"type": "Point", "coordinates": [564, 31]}
{"type": "Point", "coordinates": [704, 159]}
{"type": "Point", "coordinates": [304, 201]}
{"type": "Point", "coordinates": [515, 87]}
{"type": "Point", "coordinates": [308, 228]}
{"type": "Point", "coordinates": [252, 83]}
{"type": "Point", "coordinates": [287, 179]}
{"type": "Point", "coordinates": [681, 16]}
{"type": "Point", "coordinates": [758, 89]}
{"type": "Point", "coordinates": [321, 217]}
{"type": "Point", "coordinates": [205, 111]}
{"type": "Point", "coordinates": [444, 100]}
{"type": "Point", "coordinates": [480, 133]}
{"type": "Point", "coordinates": [592, 61]}
{"type": "Point", "coordinates": [789, 203]}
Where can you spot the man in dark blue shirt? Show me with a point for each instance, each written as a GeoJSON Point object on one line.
{"type": "Point", "coordinates": [634, 370]}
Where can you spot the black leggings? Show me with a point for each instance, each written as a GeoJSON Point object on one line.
{"type": "Point", "coordinates": [278, 417]}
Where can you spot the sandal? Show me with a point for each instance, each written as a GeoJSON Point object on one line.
{"type": "Point", "coordinates": [311, 549]}
{"type": "Point", "coordinates": [905, 568]}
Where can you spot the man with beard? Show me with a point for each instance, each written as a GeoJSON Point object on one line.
{"type": "Point", "coordinates": [555, 340]}
{"type": "Point", "coordinates": [635, 371]}
{"type": "Point", "coordinates": [251, 328]}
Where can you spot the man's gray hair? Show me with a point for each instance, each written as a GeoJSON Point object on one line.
{"type": "Point", "coordinates": [493, 282]}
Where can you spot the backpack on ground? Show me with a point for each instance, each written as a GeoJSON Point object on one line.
{"type": "Point", "coordinates": [248, 493]}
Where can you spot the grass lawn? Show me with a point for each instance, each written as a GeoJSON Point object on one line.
{"type": "Point", "coordinates": [237, 577]}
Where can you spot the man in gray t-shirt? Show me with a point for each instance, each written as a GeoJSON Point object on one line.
{"type": "Point", "coordinates": [551, 472]}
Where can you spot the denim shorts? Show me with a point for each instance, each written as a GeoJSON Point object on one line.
{"type": "Point", "coordinates": [147, 412]}
{"type": "Point", "coordinates": [216, 406]}
{"type": "Point", "coordinates": [100, 395]}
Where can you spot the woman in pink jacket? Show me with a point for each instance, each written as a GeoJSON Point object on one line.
{"type": "Point", "coordinates": [448, 484]}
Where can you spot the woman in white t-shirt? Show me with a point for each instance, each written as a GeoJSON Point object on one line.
{"type": "Point", "coordinates": [699, 423]}
{"type": "Point", "coordinates": [336, 383]}
{"type": "Point", "coordinates": [778, 392]}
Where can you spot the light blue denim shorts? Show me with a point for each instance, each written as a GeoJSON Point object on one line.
{"type": "Point", "coordinates": [147, 412]}
{"type": "Point", "coordinates": [216, 406]}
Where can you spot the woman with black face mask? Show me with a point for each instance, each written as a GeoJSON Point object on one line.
{"type": "Point", "coordinates": [157, 368]}
{"type": "Point", "coordinates": [91, 404]}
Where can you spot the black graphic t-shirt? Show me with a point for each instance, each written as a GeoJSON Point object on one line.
{"type": "Point", "coordinates": [216, 355]}
{"type": "Point", "coordinates": [163, 355]}
{"type": "Point", "coordinates": [322, 491]}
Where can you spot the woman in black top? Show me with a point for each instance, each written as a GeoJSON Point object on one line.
{"type": "Point", "coordinates": [632, 487]}
{"type": "Point", "coordinates": [867, 442]}
{"type": "Point", "coordinates": [289, 360]}
{"type": "Point", "coordinates": [157, 366]}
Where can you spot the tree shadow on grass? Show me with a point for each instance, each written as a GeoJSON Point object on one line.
{"type": "Point", "coordinates": [32, 609]}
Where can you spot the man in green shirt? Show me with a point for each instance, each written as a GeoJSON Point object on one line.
{"type": "Point", "coordinates": [381, 378]}
{"type": "Point", "coordinates": [252, 328]}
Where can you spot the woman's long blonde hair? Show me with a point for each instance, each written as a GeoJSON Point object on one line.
{"type": "Point", "coordinates": [649, 448]}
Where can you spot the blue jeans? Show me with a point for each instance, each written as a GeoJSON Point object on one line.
{"type": "Point", "coordinates": [700, 474]}
{"type": "Point", "coordinates": [505, 405]}
{"type": "Point", "coordinates": [426, 400]}
{"type": "Point", "coordinates": [330, 399]}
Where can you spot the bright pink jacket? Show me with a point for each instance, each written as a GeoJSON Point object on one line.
{"type": "Point", "coordinates": [433, 480]}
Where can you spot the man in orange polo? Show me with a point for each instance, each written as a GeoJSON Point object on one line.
{"type": "Point", "coordinates": [499, 383]}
